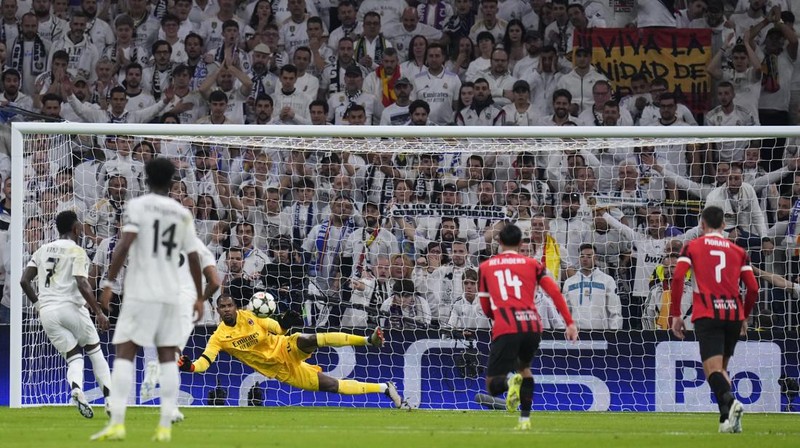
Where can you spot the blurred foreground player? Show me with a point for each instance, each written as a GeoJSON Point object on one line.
{"type": "Point", "coordinates": [210, 286]}
{"type": "Point", "coordinates": [156, 231]}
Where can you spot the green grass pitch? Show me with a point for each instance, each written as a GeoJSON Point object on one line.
{"type": "Point", "coordinates": [378, 428]}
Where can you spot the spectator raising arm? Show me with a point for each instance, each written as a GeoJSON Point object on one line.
{"type": "Point", "coordinates": [714, 66]}
{"type": "Point", "coordinates": [778, 281]}
{"type": "Point", "coordinates": [247, 83]}
{"type": "Point", "coordinates": [674, 180]}
{"type": "Point", "coordinates": [774, 17]}
{"type": "Point", "coordinates": [208, 84]}
{"type": "Point", "coordinates": [92, 115]}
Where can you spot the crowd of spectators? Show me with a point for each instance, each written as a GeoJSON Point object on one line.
{"type": "Point", "coordinates": [324, 230]}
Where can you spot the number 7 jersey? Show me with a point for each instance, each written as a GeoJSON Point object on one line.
{"type": "Point", "coordinates": [164, 229]}
{"type": "Point", "coordinates": [57, 265]}
{"type": "Point", "coordinates": [718, 266]}
{"type": "Point", "coordinates": [509, 280]}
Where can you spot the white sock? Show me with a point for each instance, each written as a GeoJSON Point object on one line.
{"type": "Point", "coordinates": [384, 387]}
{"type": "Point", "coordinates": [101, 371]}
{"type": "Point", "coordinates": [121, 383]}
{"type": "Point", "coordinates": [75, 371]}
{"type": "Point", "coordinates": [170, 383]}
{"type": "Point", "coordinates": [154, 367]}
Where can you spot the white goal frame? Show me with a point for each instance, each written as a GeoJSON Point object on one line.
{"type": "Point", "coordinates": [19, 130]}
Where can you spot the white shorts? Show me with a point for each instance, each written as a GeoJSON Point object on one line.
{"type": "Point", "coordinates": [187, 318]}
{"type": "Point", "coordinates": [149, 324]}
{"type": "Point", "coordinates": [68, 326]}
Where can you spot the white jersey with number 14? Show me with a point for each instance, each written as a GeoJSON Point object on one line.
{"type": "Point", "coordinates": [164, 229]}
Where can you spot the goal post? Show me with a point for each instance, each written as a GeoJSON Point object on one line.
{"type": "Point", "coordinates": [624, 369]}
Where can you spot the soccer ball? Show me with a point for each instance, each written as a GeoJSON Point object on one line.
{"type": "Point", "coordinates": [263, 304]}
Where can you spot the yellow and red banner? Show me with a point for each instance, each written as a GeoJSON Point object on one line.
{"type": "Point", "coordinates": [679, 55]}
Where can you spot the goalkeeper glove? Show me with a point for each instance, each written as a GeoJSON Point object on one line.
{"type": "Point", "coordinates": [185, 364]}
{"type": "Point", "coordinates": [290, 319]}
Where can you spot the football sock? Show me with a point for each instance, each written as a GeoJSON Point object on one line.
{"type": "Point", "coordinates": [75, 371]}
{"type": "Point", "coordinates": [526, 397]}
{"type": "Point", "coordinates": [497, 385]}
{"type": "Point", "coordinates": [351, 387]}
{"type": "Point", "coordinates": [340, 340]}
{"type": "Point", "coordinates": [722, 390]}
{"type": "Point", "coordinates": [102, 372]}
{"type": "Point", "coordinates": [170, 382]}
{"type": "Point", "coordinates": [121, 383]}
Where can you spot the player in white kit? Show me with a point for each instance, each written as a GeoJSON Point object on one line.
{"type": "Point", "coordinates": [208, 264]}
{"type": "Point", "coordinates": [62, 268]}
{"type": "Point", "coordinates": [156, 230]}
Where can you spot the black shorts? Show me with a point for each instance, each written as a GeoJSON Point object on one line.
{"type": "Point", "coordinates": [717, 337]}
{"type": "Point", "coordinates": [509, 352]}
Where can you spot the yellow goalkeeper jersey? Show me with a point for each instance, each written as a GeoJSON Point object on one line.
{"type": "Point", "coordinates": [257, 342]}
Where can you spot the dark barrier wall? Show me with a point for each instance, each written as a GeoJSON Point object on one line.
{"type": "Point", "coordinates": [5, 340]}
{"type": "Point", "coordinates": [617, 371]}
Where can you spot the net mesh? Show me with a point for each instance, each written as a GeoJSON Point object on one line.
{"type": "Point", "coordinates": [336, 228]}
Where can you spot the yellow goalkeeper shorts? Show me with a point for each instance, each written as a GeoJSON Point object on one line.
{"type": "Point", "coordinates": [294, 371]}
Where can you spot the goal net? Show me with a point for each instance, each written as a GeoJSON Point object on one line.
{"type": "Point", "coordinates": [358, 227]}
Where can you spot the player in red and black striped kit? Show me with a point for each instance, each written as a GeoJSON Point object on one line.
{"type": "Point", "coordinates": [506, 287]}
{"type": "Point", "coordinates": [718, 312]}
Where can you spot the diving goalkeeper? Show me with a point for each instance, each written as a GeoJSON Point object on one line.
{"type": "Point", "coordinates": [261, 344]}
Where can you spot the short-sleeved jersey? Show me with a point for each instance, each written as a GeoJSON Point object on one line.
{"type": "Point", "coordinates": [510, 280]}
{"type": "Point", "coordinates": [253, 341]}
{"type": "Point", "coordinates": [58, 263]}
{"type": "Point", "coordinates": [717, 264]}
{"type": "Point", "coordinates": [187, 283]}
{"type": "Point", "coordinates": [164, 229]}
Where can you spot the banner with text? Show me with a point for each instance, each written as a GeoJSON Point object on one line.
{"type": "Point", "coordinates": [679, 56]}
{"type": "Point", "coordinates": [494, 212]}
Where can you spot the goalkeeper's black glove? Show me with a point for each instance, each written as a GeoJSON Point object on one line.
{"type": "Point", "coordinates": [290, 319]}
{"type": "Point", "coordinates": [185, 364]}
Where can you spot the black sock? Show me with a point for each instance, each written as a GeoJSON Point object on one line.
{"type": "Point", "coordinates": [722, 390]}
{"type": "Point", "coordinates": [526, 397]}
{"type": "Point", "coordinates": [497, 385]}
{"type": "Point", "coordinates": [106, 392]}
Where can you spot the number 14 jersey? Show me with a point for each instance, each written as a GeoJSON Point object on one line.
{"type": "Point", "coordinates": [164, 229]}
{"type": "Point", "coordinates": [509, 280]}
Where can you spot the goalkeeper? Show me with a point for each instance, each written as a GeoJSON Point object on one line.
{"type": "Point", "coordinates": [261, 344]}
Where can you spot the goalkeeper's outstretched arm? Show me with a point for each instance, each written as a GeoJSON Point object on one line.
{"type": "Point", "coordinates": [201, 364]}
{"type": "Point", "coordinates": [185, 364]}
